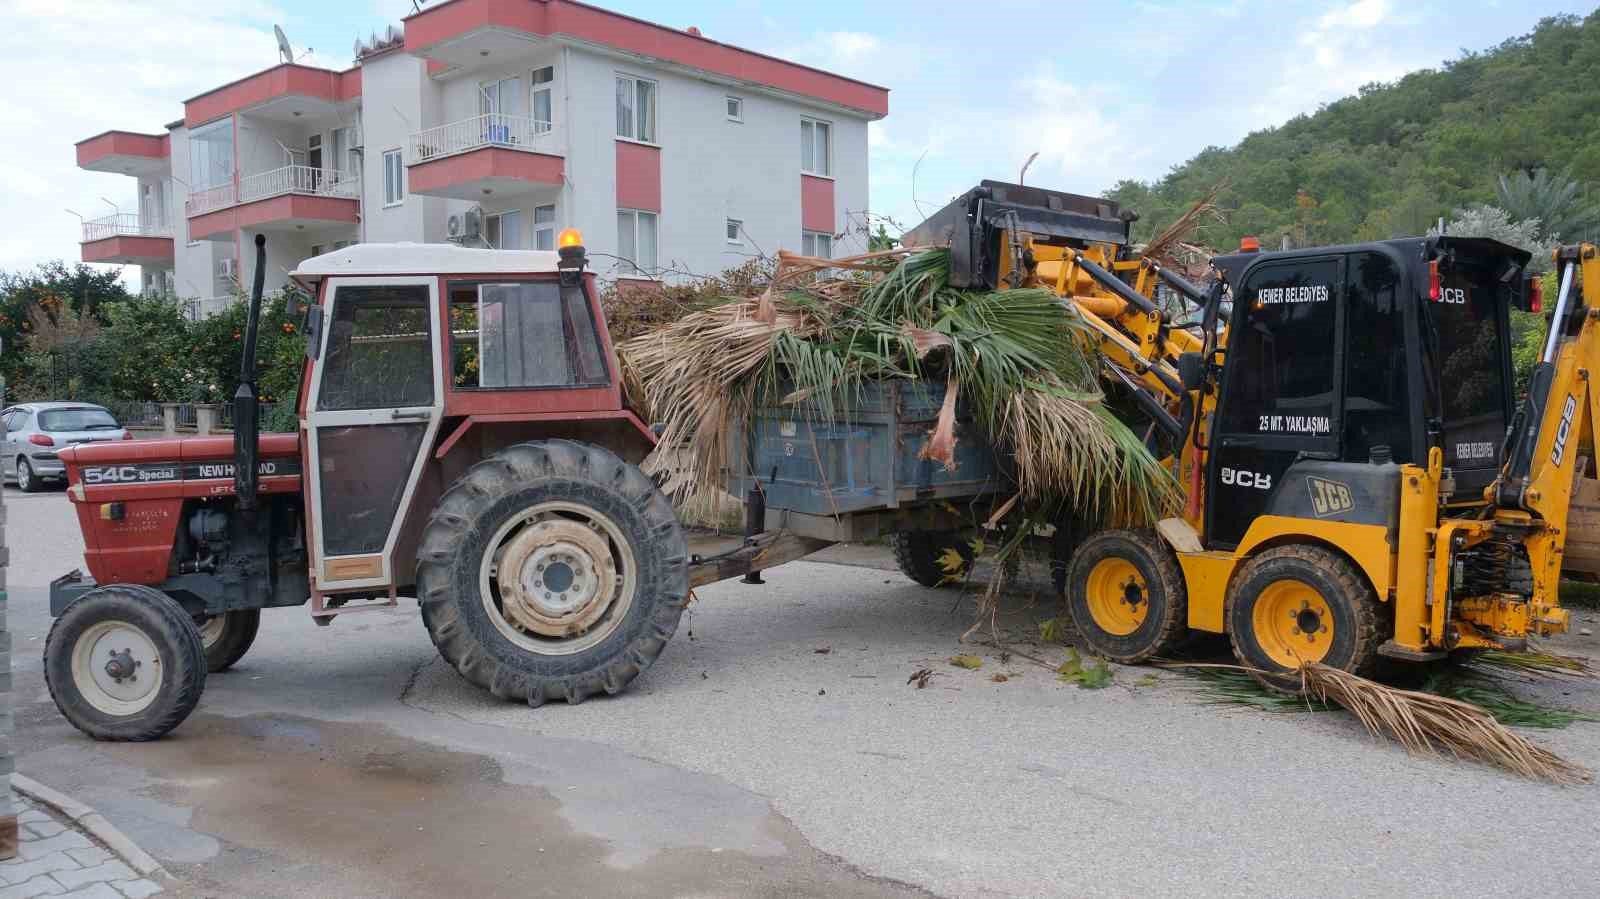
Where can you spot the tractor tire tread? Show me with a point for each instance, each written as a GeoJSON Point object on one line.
{"type": "Point", "coordinates": [450, 535]}
{"type": "Point", "coordinates": [917, 555]}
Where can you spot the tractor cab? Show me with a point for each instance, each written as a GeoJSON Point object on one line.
{"type": "Point", "coordinates": [413, 352]}
{"type": "Point", "coordinates": [1344, 362]}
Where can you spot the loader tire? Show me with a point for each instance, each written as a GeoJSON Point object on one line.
{"type": "Point", "coordinates": [227, 637]}
{"type": "Point", "coordinates": [918, 552]}
{"type": "Point", "coordinates": [1302, 603]}
{"type": "Point", "coordinates": [552, 570]}
{"type": "Point", "coordinates": [1126, 595]}
{"type": "Point", "coordinates": [124, 662]}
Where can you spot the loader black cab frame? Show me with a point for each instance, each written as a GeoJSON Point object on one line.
{"type": "Point", "coordinates": [1344, 362]}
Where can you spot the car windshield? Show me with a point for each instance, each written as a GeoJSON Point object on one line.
{"type": "Point", "coordinates": [76, 420]}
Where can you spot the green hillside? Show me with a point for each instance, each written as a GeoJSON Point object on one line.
{"type": "Point", "coordinates": [1391, 160]}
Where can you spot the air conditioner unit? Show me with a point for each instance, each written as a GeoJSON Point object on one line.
{"type": "Point", "coordinates": [465, 227]}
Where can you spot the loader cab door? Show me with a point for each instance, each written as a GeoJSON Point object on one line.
{"type": "Point", "coordinates": [1471, 395]}
{"type": "Point", "coordinates": [1285, 373]}
{"type": "Point", "coordinates": [373, 410]}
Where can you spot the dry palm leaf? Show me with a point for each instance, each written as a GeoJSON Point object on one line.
{"type": "Point", "coordinates": [1427, 724]}
{"type": "Point", "coordinates": [1161, 246]}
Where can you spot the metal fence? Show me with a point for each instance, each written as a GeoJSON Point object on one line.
{"type": "Point", "coordinates": [489, 130]}
{"type": "Point", "coordinates": [123, 224]}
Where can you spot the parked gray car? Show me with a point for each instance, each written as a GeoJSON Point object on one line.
{"type": "Point", "coordinates": [36, 432]}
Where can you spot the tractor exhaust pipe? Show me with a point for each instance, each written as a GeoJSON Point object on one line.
{"type": "Point", "coordinates": [246, 439]}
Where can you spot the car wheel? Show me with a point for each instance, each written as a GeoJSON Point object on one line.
{"type": "Point", "coordinates": [27, 481]}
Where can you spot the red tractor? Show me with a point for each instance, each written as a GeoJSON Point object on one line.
{"type": "Point", "coordinates": [462, 439]}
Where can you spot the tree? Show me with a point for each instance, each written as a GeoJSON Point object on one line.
{"type": "Point", "coordinates": [44, 295]}
{"type": "Point", "coordinates": [1554, 200]}
{"type": "Point", "coordinates": [1496, 224]}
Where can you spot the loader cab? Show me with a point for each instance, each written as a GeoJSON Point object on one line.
{"type": "Point", "coordinates": [1344, 362]}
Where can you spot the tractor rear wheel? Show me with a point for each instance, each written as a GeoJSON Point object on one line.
{"type": "Point", "coordinates": [227, 637]}
{"type": "Point", "coordinates": [918, 554]}
{"type": "Point", "coordinates": [552, 570]}
{"type": "Point", "coordinates": [1297, 604]}
{"type": "Point", "coordinates": [124, 662]}
{"type": "Point", "coordinates": [1126, 595]}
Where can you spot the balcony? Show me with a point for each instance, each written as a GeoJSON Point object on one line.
{"type": "Point", "coordinates": [484, 155]}
{"type": "Point", "coordinates": [205, 307]}
{"type": "Point", "coordinates": [292, 198]}
{"type": "Point", "coordinates": [126, 153]}
{"type": "Point", "coordinates": [124, 239]}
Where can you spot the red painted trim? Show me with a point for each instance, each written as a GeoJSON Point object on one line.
{"type": "Point", "coordinates": [638, 176]}
{"type": "Point", "coordinates": [816, 204]}
{"type": "Point", "coordinates": [280, 80]}
{"type": "Point", "coordinates": [122, 143]}
{"type": "Point", "coordinates": [446, 21]}
{"type": "Point", "coordinates": [488, 162]}
{"type": "Point", "coordinates": [469, 422]}
{"type": "Point", "coordinates": [111, 249]}
{"type": "Point", "coordinates": [274, 209]}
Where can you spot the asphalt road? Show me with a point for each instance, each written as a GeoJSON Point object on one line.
{"type": "Point", "coordinates": [776, 749]}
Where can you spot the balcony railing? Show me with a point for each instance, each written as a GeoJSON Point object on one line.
{"type": "Point", "coordinates": [291, 179]}
{"type": "Point", "coordinates": [298, 179]}
{"type": "Point", "coordinates": [490, 130]}
{"type": "Point", "coordinates": [205, 307]}
{"type": "Point", "coordinates": [123, 224]}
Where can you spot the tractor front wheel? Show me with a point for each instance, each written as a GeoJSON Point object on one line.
{"type": "Point", "coordinates": [1297, 604]}
{"type": "Point", "coordinates": [124, 662]}
{"type": "Point", "coordinates": [552, 570]}
{"type": "Point", "coordinates": [227, 637]}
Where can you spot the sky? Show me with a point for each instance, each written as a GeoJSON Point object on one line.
{"type": "Point", "coordinates": [1101, 91]}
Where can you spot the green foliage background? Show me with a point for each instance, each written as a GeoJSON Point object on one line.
{"type": "Point", "coordinates": [76, 334]}
{"type": "Point", "coordinates": [1393, 159]}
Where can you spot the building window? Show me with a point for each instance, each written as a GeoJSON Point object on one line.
{"type": "Point", "coordinates": [816, 243]}
{"type": "Point", "coordinates": [735, 109]}
{"type": "Point", "coordinates": [544, 227]}
{"type": "Point", "coordinates": [503, 230]}
{"type": "Point", "coordinates": [394, 185]}
{"type": "Point", "coordinates": [211, 155]}
{"type": "Point", "coordinates": [735, 231]}
{"type": "Point", "coordinates": [543, 98]}
{"type": "Point", "coordinates": [636, 109]}
{"type": "Point", "coordinates": [636, 242]}
{"type": "Point", "coordinates": [816, 157]}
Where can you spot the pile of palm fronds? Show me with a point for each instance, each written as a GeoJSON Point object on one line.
{"type": "Point", "coordinates": [1015, 358]}
{"type": "Point", "coordinates": [1426, 724]}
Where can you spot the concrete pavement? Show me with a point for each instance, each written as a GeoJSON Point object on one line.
{"type": "Point", "coordinates": [749, 761]}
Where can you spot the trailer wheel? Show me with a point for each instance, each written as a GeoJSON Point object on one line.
{"type": "Point", "coordinates": [1126, 595]}
{"type": "Point", "coordinates": [1297, 604]}
{"type": "Point", "coordinates": [552, 570]}
{"type": "Point", "coordinates": [124, 662]}
{"type": "Point", "coordinates": [918, 554]}
{"type": "Point", "coordinates": [227, 637]}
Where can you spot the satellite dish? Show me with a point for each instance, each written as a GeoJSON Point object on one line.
{"type": "Point", "coordinates": [284, 50]}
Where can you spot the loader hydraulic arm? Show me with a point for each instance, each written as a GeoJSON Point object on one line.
{"type": "Point", "coordinates": [1562, 408]}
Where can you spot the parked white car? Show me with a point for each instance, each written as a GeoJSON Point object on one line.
{"type": "Point", "coordinates": [37, 432]}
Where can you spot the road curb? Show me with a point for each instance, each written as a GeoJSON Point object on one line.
{"type": "Point", "coordinates": [91, 821]}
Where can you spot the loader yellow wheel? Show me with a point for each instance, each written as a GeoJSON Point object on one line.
{"type": "Point", "coordinates": [1296, 604]}
{"type": "Point", "coordinates": [1117, 597]}
{"type": "Point", "coordinates": [1126, 595]}
{"type": "Point", "coordinates": [1292, 623]}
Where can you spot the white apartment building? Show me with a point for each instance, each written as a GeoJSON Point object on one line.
{"type": "Point", "coordinates": [675, 155]}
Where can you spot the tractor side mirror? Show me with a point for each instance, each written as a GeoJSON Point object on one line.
{"type": "Point", "coordinates": [1192, 370]}
{"type": "Point", "coordinates": [313, 331]}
